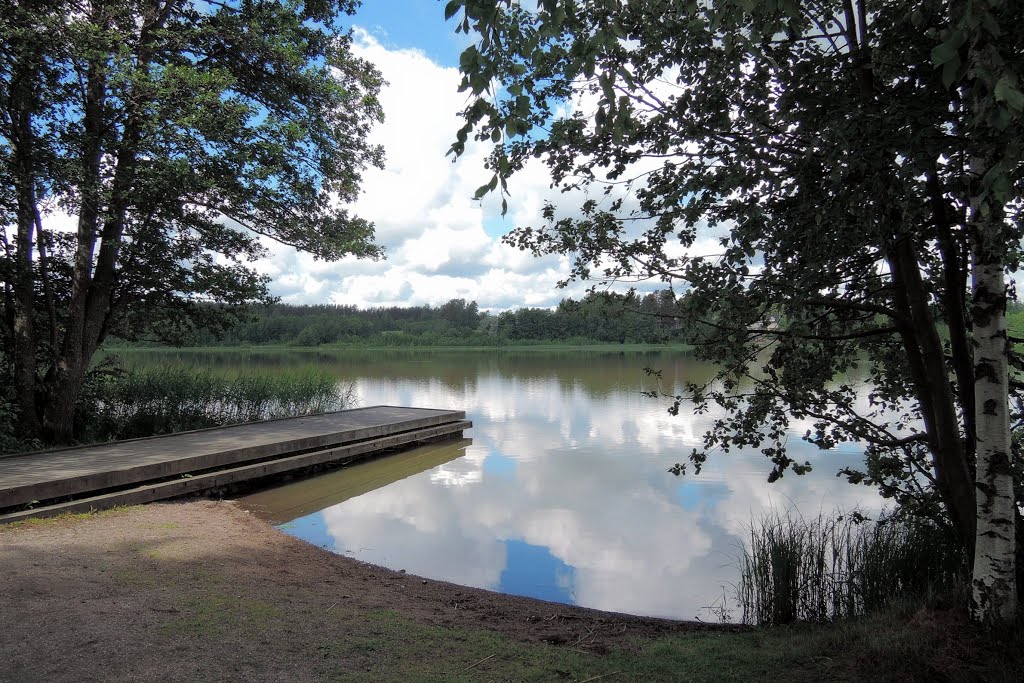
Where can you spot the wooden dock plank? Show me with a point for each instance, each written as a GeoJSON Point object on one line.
{"type": "Point", "coordinates": [54, 474]}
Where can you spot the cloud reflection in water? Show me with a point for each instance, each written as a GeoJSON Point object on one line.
{"type": "Point", "coordinates": [563, 493]}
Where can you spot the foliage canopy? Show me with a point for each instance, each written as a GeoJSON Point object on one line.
{"type": "Point", "coordinates": [173, 134]}
{"type": "Point", "coordinates": [855, 168]}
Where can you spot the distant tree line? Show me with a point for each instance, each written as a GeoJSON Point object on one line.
{"type": "Point", "coordinates": [596, 318]}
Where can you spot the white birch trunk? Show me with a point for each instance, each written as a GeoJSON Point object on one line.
{"type": "Point", "coordinates": [994, 579]}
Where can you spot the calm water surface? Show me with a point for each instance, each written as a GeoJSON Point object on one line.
{"type": "Point", "coordinates": [560, 490]}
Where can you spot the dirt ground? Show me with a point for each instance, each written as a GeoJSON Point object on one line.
{"type": "Point", "coordinates": [204, 590]}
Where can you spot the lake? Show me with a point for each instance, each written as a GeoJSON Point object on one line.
{"type": "Point", "coordinates": [560, 490]}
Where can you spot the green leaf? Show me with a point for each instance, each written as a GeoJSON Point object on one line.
{"type": "Point", "coordinates": [452, 8]}
{"type": "Point", "coordinates": [1006, 91]}
{"type": "Point", "coordinates": [950, 72]}
{"type": "Point", "coordinates": [468, 58]}
{"type": "Point", "coordinates": [991, 25]}
{"type": "Point", "coordinates": [1002, 118]}
{"type": "Point", "coordinates": [606, 82]}
{"type": "Point", "coordinates": [627, 77]}
{"type": "Point", "coordinates": [944, 53]}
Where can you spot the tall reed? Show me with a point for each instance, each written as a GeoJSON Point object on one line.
{"type": "Point", "coordinates": [163, 399]}
{"type": "Point", "coordinates": [841, 566]}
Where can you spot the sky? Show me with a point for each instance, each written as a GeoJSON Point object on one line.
{"type": "Point", "coordinates": [440, 243]}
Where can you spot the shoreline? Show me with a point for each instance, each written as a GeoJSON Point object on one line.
{"type": "Point", "coordinates": [141, 581]}
{"type": "Point", "coordinates": [204, 590]}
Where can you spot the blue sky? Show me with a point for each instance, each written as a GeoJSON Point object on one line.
{"type": "Point", "coordinates": [440, 243]}
{"type": "Point", "coordinates": [415, 24]}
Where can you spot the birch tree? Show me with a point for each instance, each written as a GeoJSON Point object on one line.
{"type": "Point", "coordinates": [995, 106]}
{"type": "Point", "coordinates": [857, 165]}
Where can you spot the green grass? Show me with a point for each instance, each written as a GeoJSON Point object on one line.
{"type": "Point", "coordinates": [119, 403]}
{"type": "Point", "coordinates": [887, 646]}
{"type": "Point", "coordinates": [1015, 323]}
{"type": "Point", "coordinates": [839, 567]}
{"type": "Point", "coordinates": [162, 399]}
{"type": "Point", "coordinates": [213, 616]}
{"type": "Point", "coordinates": [898, 644]}
{"type": "Point", "coordinates": [69, 516]}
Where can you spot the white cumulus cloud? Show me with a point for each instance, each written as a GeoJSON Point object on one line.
{"type": "Point", "coordinates": [421, 204]}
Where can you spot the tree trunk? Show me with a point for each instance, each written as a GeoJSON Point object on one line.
{"type": "Point", "coordinates": [994, 581]}
{"type": "Point", "coordinates": [64, 379]}
{"type": "Point", "coordinates": [954, 279]}
{"type": "Point", "coordinates": [62, 395]}
{"type": "Point", "coordinates": [95, 279]}
{"type": "Point", "coordinates": [23, 332]}
{"type": "Point", "coordinates": [927, 366]}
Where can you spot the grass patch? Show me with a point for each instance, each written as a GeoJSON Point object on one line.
{"type": "Point", "coordinates": [68, 516]}
{"type": "Point", "coordinates": [135, 578]}
{"type": "Point", "coordinates": [215, 615]}
{"type": "Point", "coordinates": [118, 403]}
{"type": "Point", "coordinates": [896, 644]}
{"type": "Point", "coordinates": [406, 650]}
{"type": "Point", "coordinates": [899, 643]}
{"type": "Point", "coordinates": [202, 577]}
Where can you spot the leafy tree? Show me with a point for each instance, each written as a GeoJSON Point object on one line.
{"type": "Point", "coordinates": [175, 133]}
{"type": "Point", "coordinates": [650, 319]}
{"type": "Point", "coordinates": [858, 163]}
{"type": "Point", "coordinates": [461, 314]}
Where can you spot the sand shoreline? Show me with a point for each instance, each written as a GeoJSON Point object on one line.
{"type": "Point", "coordinates": [206, 590]}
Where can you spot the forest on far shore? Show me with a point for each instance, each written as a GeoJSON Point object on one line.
{"type": "Point", "coordinates": [597, 318]}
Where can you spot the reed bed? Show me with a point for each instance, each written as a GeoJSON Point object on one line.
{"type": "Point", "coordinates": [164, 399]}
{"type": "Point", "coordinates": [841, 566]}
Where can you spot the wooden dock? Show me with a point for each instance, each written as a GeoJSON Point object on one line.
{"type": "Point", "coordinates": [143, 470]}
